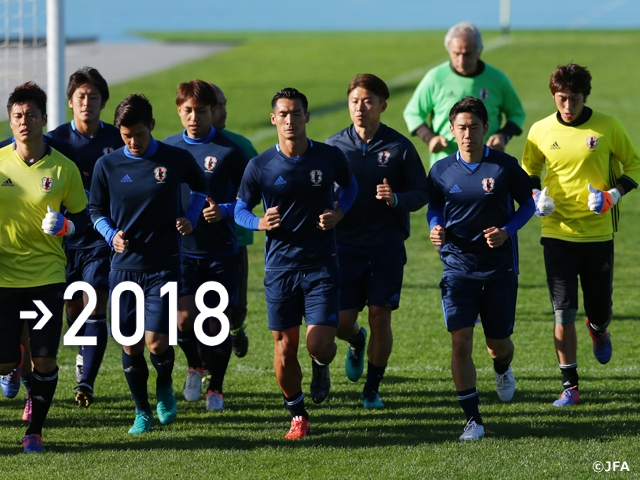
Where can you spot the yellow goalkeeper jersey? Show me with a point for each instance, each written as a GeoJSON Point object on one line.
{"type": "Point", "coordinates": [597, 152]}
{"type": "Point", "coordinates": [28, 256]}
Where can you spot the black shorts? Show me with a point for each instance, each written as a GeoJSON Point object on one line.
{"type": "Point", "coordinates": [44, 342]}
{"type": "Point", "coordinates": [593, 263]}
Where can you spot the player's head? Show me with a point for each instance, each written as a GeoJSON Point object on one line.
{"type": "Point", "coordinates": [28, 92]}
{"type": "Point", "coordinates": [290, 94]}
{"type": "Point", "coordinates": [290, 114]}
{"type": "Point", "coordinates": [196, 100]}
{"type": "Point", "coordinates": [219, 120]}
{"type": "Point", "coordinates": [134, 118]}
{"type": "Point", "coordinates": [468, 121]}
{"type": "Point", "coordinates": [367, 97]}
{"type": "Point", "coordinates": [27, 109]}
{"type": "Point", "coordinates": [87, 94]}
{"type": "Point", "coordinates": [570, 86]}
{"type": "Point", "coordinates": [463, 41]}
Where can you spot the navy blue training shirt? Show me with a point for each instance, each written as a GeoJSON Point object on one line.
{"type": "Point", "coordinates": [302, 189]}
{"type": "Point", "coordinates": [390, 155]}
{"type": "Point", "coordinates": [474, 200]}
{"type": "Point", "coordinates": [141, 196]}
{"type": "Point", "coordinates": [87, 151]}
{"type": "Point", "coordinates": [223, 163]}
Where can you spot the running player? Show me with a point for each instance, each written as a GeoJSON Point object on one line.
{"type": "Point", "coordinates": [245, 236]}
{"type": "Point", "coordinates": [391, 183]}
{"type": "Point", "coordinates": [88, 254]}
{"type": "Point", "coordinates": [294, 181]}
{"type": "Point", "coordinates": [36, 182]}
{"type": "Point", "coordinates": [135, 198]}
{"type": "Point", "coordinates": [211, 252]}
{"type": "Point", "coordinates": [474, 221]}
{"type": "Point", "coordinates": [589, 163]}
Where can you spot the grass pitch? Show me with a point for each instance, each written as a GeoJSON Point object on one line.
{"type": "Point", "coordinates": [415, 436]}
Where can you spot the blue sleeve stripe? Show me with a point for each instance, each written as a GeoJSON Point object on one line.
{"type": "Point", "coordinates": [348, 195]}
{"type": "Point", "coordinates": [244, 217]}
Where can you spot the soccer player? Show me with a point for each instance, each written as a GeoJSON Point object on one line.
{"type": "Point", "coordinates": [36, 182]}
{"type": "Point", "coordinates": [473, 219]}
{"type": "Point", "coordinates": [589, 163]}
{"type": "Point", "coordinates": [465, 74]}
{"type": "Point", "coordinates": [211, 252]}
{"type": "Point", "coordinates": [244, 236]}
{"type": "Point", "coordinates": [135, 199]}
{"type": "Point", "coordinates": [88, 255]}
{"type": "Point", "coordinates": [391, 183]}
{"type": "Point", "coordinates": [294, 180]}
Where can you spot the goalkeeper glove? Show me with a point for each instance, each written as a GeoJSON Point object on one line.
{"type": "Point", "coordinates": [545, 205]}
{"type": "Point", "coordinates": [56, 224]}
{"type": "Point", "coordinates": [601, 202]}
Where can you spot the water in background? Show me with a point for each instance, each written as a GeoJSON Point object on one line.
{"type": "Point", "coordinates": [110, 21]}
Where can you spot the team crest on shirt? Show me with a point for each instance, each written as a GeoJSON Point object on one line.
{"type": "Point", "coordinates": [107, 150]}
{"type": "Point", "coordinates": [383, 158]}
{"type": "Point", "coordinates": [316, 176]}
{"type": "Point", "coordinates": [47, 183]}
{"type": "Point", "coordinates": [488, 184]}
{"type": "Point", "coordinates": [161, 174]}
{"type": "Point", "coordinates": [592, 142]}
{"type": "Point", "coordinates": [210, 163]}
{"type": "Point", "coordinates": [484, 94]}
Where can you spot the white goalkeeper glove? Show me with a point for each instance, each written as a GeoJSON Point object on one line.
{"type": "Point", "coordinates": [599, 201]}
{"type": "Point", "coordinates": [545, 205]}
{"type": "Point", "coordinates": [56, 224]}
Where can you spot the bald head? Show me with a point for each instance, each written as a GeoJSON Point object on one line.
{"type": "Point", "coordinates": [219, 119]}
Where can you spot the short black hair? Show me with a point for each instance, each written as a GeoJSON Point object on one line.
{"type": "Point", "coordinates": [572, 77]}
{"type": "Point", "coordinates": [133, 110]}
{"type": "Point", "coordinates": [292, 94]}
{"type": "Point", "coordinates": [28, 92]}
{"type": "Point", "coordinates": [88, 75]}
{"type": "Point", "coordinates": [469, 105]}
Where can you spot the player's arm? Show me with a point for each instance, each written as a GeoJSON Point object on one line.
{"type": "Point", "coordinates": [514, 114]}
{"type": "Point", "coordinates": [194, 177]}
{"type": "Point", "coordinates": [215, 212]}
{"type": "Point", "coordinates": [75, 200]}
{"type": "Point", "coordinates": [519, 190]}
{"type": "Point", "coordinates": [416, 112]}
{"type": "Point", "coordinates": [414, 193]}
{"type": "Point", "coordinates": [435, 213]}
{"type": "Point", "coordinates": [100, 205]}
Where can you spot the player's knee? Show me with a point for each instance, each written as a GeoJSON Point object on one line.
{"type": "Point", "coordinates": [565, 317]}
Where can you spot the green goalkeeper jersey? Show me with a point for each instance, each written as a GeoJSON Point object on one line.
{"type": "Point", "coordinates": [442, 87]}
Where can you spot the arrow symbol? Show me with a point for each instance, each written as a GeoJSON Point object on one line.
{"type": "Point", "coordinates": [31, 315]}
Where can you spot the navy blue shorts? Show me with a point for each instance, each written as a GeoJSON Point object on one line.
{"type": "Point", "coordinates": [312, 293]}
{"type": "Point", "coordinates": [371, 276]}
{"type": "Point", "coordinates": [463, 300]}
{"type": "Point", "coordinates": [89, 265]}
{"type": "Point", "coordinates": [156, 307]}
{"type": "Point", "coordinates": [44, 342]}
{"type": "Point", "coordinates": [225, 270]}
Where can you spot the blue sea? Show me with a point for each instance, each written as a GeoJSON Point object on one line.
{"type": "Point", "coordinates": [114, 20]}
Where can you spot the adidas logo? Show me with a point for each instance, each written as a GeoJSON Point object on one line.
{"type": "Point", "coordinates": [395, 297]}
{"type": "Point", "coordinates": [606, 267]}
{"type": "Point", "coordinates": [38, 398]}
{"type": "Point", "coordinates": [130, 369]}
{"type": "Point", "coordinates": [8, 183]}
{"type": "Point", "coordinates": [280, 181]}
{"type": "Point", "coordinates": [126, 179]}
{"type": "Point", "coordinates": [455, 189]}
{"type": "Point", "coordinates": [555, 146]}
{"type": "Point", "coordinates": [332, 317]}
